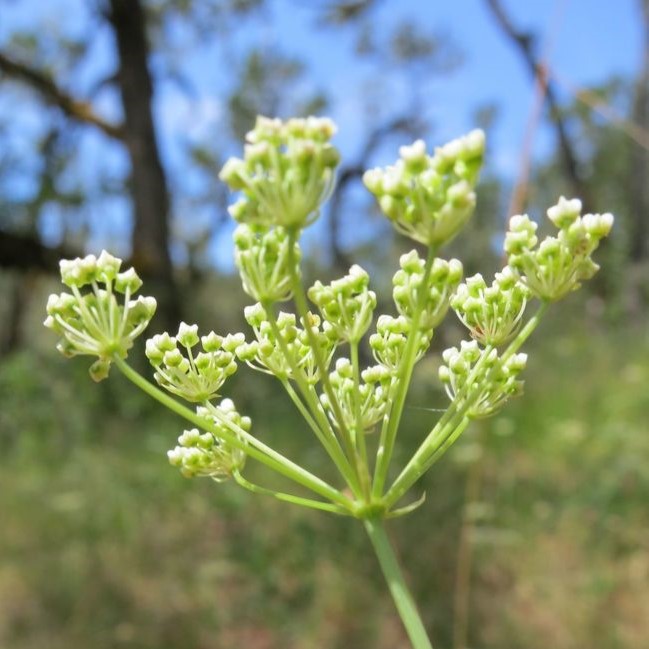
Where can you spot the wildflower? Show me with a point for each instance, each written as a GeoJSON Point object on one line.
{"type": "Point", "coordinates": [196, 377]}
{"type": "Point", "coordinates": [410, 285]}
{"type": "Point", "coordinates": [207, 454]}
{"type": "Point", "coordinates": [492, 314]}
{"type": "Point", "coordinates": [430, 198]}
{"type": "Point", "coordinates": [91, 320]}
{"type": "Point", "coordinates": [346, 304]}
{"type": "Point", "coordinates": [367, 399]}
{"type": "Point", "coordinates": [261, 255]}
{"type": "Point", "coordinates": [559, 264]}
{"type": "Point", "coordinates": [482, 379]}
{"type": "Point", "coordinates": [285, 347]}
{"type": "Point", "coordinates": [389, 342]}
{"type": "Point", "coordinates": [287, 172]}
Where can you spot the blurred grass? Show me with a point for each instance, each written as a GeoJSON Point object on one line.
{"type": "Point", "coordinates": [104, 545]}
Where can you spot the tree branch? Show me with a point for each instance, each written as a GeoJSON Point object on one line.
{"type": "Point", "coordinates": [524, 41]}
{"type": "Point", "coordinates": [81, 111]}
{"type": "Point", "coordinates": [25, 252]}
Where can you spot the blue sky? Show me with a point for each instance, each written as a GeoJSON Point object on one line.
{"type": "Point", "coordinates": [592, 40]}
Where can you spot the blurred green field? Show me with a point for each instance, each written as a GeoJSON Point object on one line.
{"type": "Point", "coordinates": [102, 544]}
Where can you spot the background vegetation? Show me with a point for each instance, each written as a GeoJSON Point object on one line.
{"type": "Point", "coordinates": [534, 533]}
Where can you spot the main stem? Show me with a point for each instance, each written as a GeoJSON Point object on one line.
{"type": "Point", "coordinates": [396, 583]}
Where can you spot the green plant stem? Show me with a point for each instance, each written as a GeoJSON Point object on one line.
{"type": "Point", "coordinates": [359, 439]}
{"type": "Point", "coordinates": [396, 583]}
{"type": "Point", "coordinates": [303, 310]}
{"type": "Point", "coordinates": [332, 448]}
{"type": "Point", "coordinates": [455, 420]}
{"type": "Point", "coordinates": [323, 430]}
{"type": "Point", "coordinates": [240, 439]}
{"type": "Point", "coordinates": [397, 400]}
{"type": "Point", "coordinates": [289, 498]}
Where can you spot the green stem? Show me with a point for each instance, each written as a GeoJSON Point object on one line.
{"type": "Point", "coordinates": [289, 498]}
{"type": "Point", "coordinates": [303, 310]}
{"type": "Point", "coordinates": [454, 420]}
{"type": "Point", "coordinates": [323, 431]}
{"type": "Point", "coordinates": [404, 375]}
{"type": "Point", "coordinates": [396, 583]}
{"type": "Point", "coordinates": [359, 439]}
{"type": "Point", "coordinates": [332, 448]}
{"type": "Point", "coordinates": [239, 439]}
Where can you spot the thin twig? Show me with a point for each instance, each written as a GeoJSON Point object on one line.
{"type": "Point", "coordinates": [77, 109]}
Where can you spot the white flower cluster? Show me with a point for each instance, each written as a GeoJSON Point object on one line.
{"type": "Point", "coordinates": [368, 400]}
{"type": "Point", "coordinates": [559, 264]}
{"type": "Point", "coordinates": [471, 374]}
{"type": "Point", "coordinates": [409, 287]}
{"type": "Point", "coordinates": [261, 256]}
{"type": "Point", "coordinates": [196, 377]}
{"type": "Point", "coordinates": [277, 348]}
{"type": "Point", "coordinates": [286, 174]}
{"type": "Point", "coordinates": [91, 320]}
{"type": "Point", "coordinates": [206, 454]}
{"type": "Point", "coordinates": [492, 314]}
{"type": "Point", "coordinates": [389, 342]}
{"type": "Point", "coordinates": [346, 304]}
{"type": "Point", "coordinates": [430, 198]}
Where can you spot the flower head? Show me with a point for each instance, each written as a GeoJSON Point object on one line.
{"type": "Point", "coordinates": [287, 172]}
{"type": "Point", "coordinates": [411, 284]}
{"type": "Point", "coordinates": [207, 454]}
{"type": "Point", "coordinates": [430, 198]}
{"type": "Point", "coordinates": [492, 314]}
{"type": "Point", "coordinates": [559, 264]}
{"type": "Point", "coordinates": [194, 376]}
{"type": "Point", "coordinates": [285, 339]}
{"type": "Point", "coordinates": [261, 255]}
{"type": "Point", "coordinates": [346, 304]}
{"type": "Point", "coordinates": [368, 399]}
{"type": "Point", "coordinates": [93, 319]}
{"type": "Point", "coordinates": [481, 377]}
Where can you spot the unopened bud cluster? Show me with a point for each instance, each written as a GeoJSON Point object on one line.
{"type": "Point", "coordinates": [362, 405]}
{"type": "Point", "coordinates": [492, 314]}
{"type": "Point", "coordinates": [389, 342]}
{"type": "Point", "coordinates": [285, 347]}
{"type": "Point", "coordinates": [91, 320]}
{"type": "Point", "coordinates": [286, 173]}
{"type": "Point", "coordinates": [346, 304]}
{"type": "Point", "coordinates": [261, 255]}
{"type": "Point", "coordinates": [194, 376]}
{"type": "Point", "coordinates": [480, 377]}
{"type": "Point", "coordinates": [559, 264]}
{"type": "Point", "coordinates": [413, 291]}
{"type": "Point", "coordinates": [430, 198]}
{"type": "Point", "coordinates": [207, 454]}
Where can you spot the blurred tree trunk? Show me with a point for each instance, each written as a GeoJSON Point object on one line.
{"type": "Point", "coordinates": [639, 179]}
{"type": "Point", "coordinates": [150, 242]}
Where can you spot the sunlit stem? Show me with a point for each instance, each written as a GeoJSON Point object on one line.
{"type": "Point", "coordinates": [397, 398]}
{"type": "Point", "coordinates": [359, 438]}
{"type": "Point", "coordinates": [303, 309]}
{"type": "Point", "coordinates": [396, 583]}
{"type": "Point", "coordinates": [446, 430]}
{"type": "Point", "coordinates": [323, 430]}
{"type": "Point", "coordinates": [290, 498]}
{"type": "Point", "coordinates": [332, 448]}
